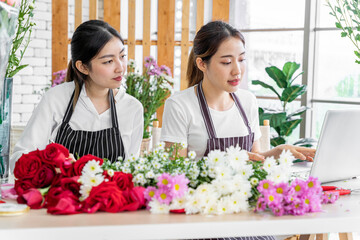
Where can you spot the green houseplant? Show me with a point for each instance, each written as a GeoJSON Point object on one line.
{"type": "Point", "coordinates": [347, 14]}
{"type": "Point", "coordinates": [151, 88]}
{"type": "Point", "coordinates": [281, 120]}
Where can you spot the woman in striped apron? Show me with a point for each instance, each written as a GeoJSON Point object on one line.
{"type": "Point", "coordinates": [214, 113]}
{"type": "Point", "coordinates": [90, 113]}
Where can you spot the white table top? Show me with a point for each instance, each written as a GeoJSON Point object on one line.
{"type": "Point", "coordinates": [343, 216]}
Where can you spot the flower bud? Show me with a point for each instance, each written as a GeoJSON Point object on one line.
{"type": "Point", "coordinates": [31, 6]}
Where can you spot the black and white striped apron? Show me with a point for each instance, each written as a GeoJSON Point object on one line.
{"type": "Point", "coordinates": [245, 142]}
{"type": "Point", "coordinates": [106, 143]}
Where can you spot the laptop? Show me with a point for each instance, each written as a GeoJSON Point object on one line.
{"type": "Point", "coordinates": [338, 152]}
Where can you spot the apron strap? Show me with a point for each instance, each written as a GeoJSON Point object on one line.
{"type": "Point", "coordinates": [114, 118]}
{"type": "Point", "coordinates": [69, 109]}
{"type": "Point", "coordinates": [242, 112]}
{"type": "Point", "coordinates": [205, 112]}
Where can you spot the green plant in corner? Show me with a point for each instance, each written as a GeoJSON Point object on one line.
{"type": "Point", "coordinates": [281, 120]}
{"type": "Point", "coordinates": [347, 14]}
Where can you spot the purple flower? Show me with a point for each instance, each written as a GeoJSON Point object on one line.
{"type": "Point", "coordinates": [179, 185]}
{"type": "Point", "coordinates": [298, 187]}
{"type": "Point", "coordinates": [272, 198]}
{"type": "Point", "coordinates": [313, 185]}
{"type": "Point", "coordinates": [149, 193]}
{"type": "Point", "coordinates": [282, 188]}
{"type": "Point", "coordinates": [265, 185]}
{"type": "Point", "coordinates": [261, 204]}
{"type": "Point", "coordinates": [329, 197]}
{"type": "Point", "coordinates": [149, 62]}
{"type": "Point", "coordinates": [297, 207]}
{"type": "Point", "coordinates": [164, 181]}
{"type": "Point", "coordinates": [165, 69]}
{"type": "Point", "coordinates": [278, 210]}
{"type": "Point", "coordinates": [154, 71]}
{"type": "Point", "coordinates": [59, 77]}
{"type": "Point", "coordinates": [163, 195]}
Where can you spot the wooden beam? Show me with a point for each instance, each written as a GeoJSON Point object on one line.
{"type": "Point", "coordinates": [59, 40]}
{"type": "Point", "coordinates": [112, 13]}
{"type": "Point", "coordinates": [199, 14]}
{"type": "Point", "coordinates": [184, 43]}
{"type": "Point", "coordinates": [146, 42]}
{"type": "Point", "coordinates": [131, 29]}
{"type": "Point", "coordinates": [166, 36]}
{"type": "Point", "coordinates": [220, 10]}
{"type": "Point", "coordinates": [93, 9]}
{"type": "Point", "coordinates": [78, 13]}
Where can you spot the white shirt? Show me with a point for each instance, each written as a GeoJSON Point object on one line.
{"type": "Point", "coordinates": [48, 116]}
{"type": "Point", "coordinates": [183, 122]}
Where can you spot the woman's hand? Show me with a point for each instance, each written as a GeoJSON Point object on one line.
{"type": "Point", "coordinates": [302, 153]}
{"type": "Point", "coordinates": [256, 157]}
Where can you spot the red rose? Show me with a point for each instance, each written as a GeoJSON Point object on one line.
{"type": "Point", "coordinates": [44, 176]}
{"type": "Point", "coordinates": [123, 180]}
{"type": "Point", "coordinates": [71, 184]}
{"type": "Point", "coordinates": [62, 202]}
{"type": "Point", "coordinates": [28, 165]}
{"type": "Point", "coordinates": [135, 198]}
{"type": "Point", "coordinates": [105, 197]}
{"type": "Point", "coordinates": [55, 154]}
{"type": "Point", "coordinates": [33, 198]}
{"type": "Point", "coordinates": [79, 164]}
{"type": "Point", "coordinates": [67, 168]}
{"type": "Point", "coordinates": [22, 185]}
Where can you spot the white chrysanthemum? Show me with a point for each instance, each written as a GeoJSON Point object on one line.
{"type": "Point", "coordinates": [233, 149]}
{"type": "Point", "coordinates": [150, 174]}
{"type": "Point", "coordinates": [286, 158]}
{"type": "Point", "coordinates": [92, 167]}
{"type": "Point", "coordinates": [224, 206]}
{"type": "Point", "coordinates": [278, 175]}
{"type": "Point", "coordinates": [158, 208]}
{"type": "Point", "coordinates": [125, 170]}
{"type": "Point", "coordinates": [142, 160]}
{"type": "Point", "coordinates": [133, 158]}
{"type": "Point", "coordinates": [246, 171]}
{"type": "Point", "coordinates": [192, 205]}
{"type": "Point", "coordinates": [238, 159]}
{"type": "Point", "coordinates": [269, 164]}
{"type": "Point", "coordinates": [239, 182]}
{"type": "Point", "coordinates": [138, 178]}
{"type": "Point", "coordinates": [239, 202]}
{"type": "Point", "coordinates": [223, 187]}
{"type": "Point", "coordinates": [160, 145]}
{"type": "Point", "coordinates": [216, 157]}
{"type": "Point", "coordinates": [165, 155]}
{"type": "Point", "coordinates": [110, 172]}
{"type": "Point", "coordinates": [183, 144]}
{"type": "Point", "coordinates": [210, 208]}
{"type": "Point", "coordinates": [223, 172]}
{"type": "Point", "coordinates": [204, 188]}
{"type": "Point", "coordinates": [127, 164]}
{"type": "Point", "coordinates": [91, 180]}
{"type": "Point", "coordinates": [120, 158]}
{"type": "Point", "coordinates": [156, 165]}
{"type": "Point", "coordinates": [178, 203]}
{"type": "Point", "coordinates": [143, 181]}
{"type": "Point", "coordinates": [117, 164]}
{"type": "Point", "coordinates": [246, 192]}
{"type": "Point", "coordinates": [85, 191]}
{"type": "Point", "coordinates": [187, 161]}
{"type": "Point", "coordinates": [254, 181]}
{"type": "Point", "coordinates": [212, 172]}
{"type": "Point", "coordinates": [208, 198]}
{"type": "Point", "coordinates": [203, 173]}
{"type": "Point", "coordinates": [194, 172]}
{"type": "Point", "coordinates": [192, 155]}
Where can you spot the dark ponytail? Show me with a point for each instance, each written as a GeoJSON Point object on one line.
{"type": "Point", "coordinates": [87, 41]}
{"type": "Point", "coordinates": [206, 44]}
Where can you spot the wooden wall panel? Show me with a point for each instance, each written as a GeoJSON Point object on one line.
{"type": "Point", "coordinates": [131, 29]}
{"type": "Point", "coordinates": [199, 14]}
{"type": "Point", "coordinates": [184, 43]}
{"type": "Point", "coordinates": [112, 13]}
{"type": "Point", "coordinates": [78, 13]}
{"type": "Point", "coordinates": [93, 9]}
{"type": "Point", "coordinates": [166, 41]}
{"type": "Point", "coordinates": [146, 29]}
{"type": "Point", "coordinates": [59, 35]}
{"type": "Point", "coordinates": [220, 10]}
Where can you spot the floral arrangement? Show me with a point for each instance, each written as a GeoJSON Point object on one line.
{"type": "Point", "coordinates": [151, 88]}
{"type": "Point", "coordinates": [59, 77]}
{"type": "Point", "coordinates": [53, 179]}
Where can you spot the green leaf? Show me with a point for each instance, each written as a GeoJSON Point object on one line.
{"type": "Point", "coordinates": [277, 75]}
{"type": "Point", "coordinates": [288, 127]}
{"type": "Point", "coordinates": [11, 74]}
{"type": "Point", "coordinates": [298, 112]}
{"type": "Point", "coordinates": [289, 69]}
{"type": "Point", "coordinates": [258, 82]}
{"type": "Point", "coordinates": [290, 93]}
{"type": "Point", "coordinates": [343, 34]}
{"type": "Point", "coordinates": [338, 10]}
{"type": "Point", "coordinates": [306, 142]}
{"type": "Point", "coordinates": [277, 119]}
{"type": "Point", "coordinates": [357, 37]}
{"type": "Point", "coordinates": [277, 141]}
{"type": "Point", "coordinates": [338, 25]}
{"type": "Point", "coordinates": [357, 53]}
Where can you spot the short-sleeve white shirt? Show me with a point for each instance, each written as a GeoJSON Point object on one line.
{"type": "Point", "coordinates": [49, 113]}
{"type": "Point", "coordinates": [183, 122]}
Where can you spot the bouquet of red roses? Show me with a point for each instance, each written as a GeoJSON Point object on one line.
{"type": "Point", "coordinates": [53, 179]}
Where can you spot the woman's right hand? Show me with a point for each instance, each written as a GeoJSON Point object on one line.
{"type": "Point", "coordinates": [256, 157]}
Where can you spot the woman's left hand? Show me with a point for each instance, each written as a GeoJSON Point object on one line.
{"type": "Point", "coordinates": [302, 153]}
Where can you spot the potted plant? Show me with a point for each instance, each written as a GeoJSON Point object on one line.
{"type": "Point", "coordinates": [15, 31]}
{"type": "Point", "coordinates": [282, 120]}
{"type": "Point", "coordinates": [151, 88]}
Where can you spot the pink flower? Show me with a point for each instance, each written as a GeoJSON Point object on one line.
{"type": "Point", "coordinates": [282, 188]}
{"type": "Point", "coordinates": [313, 185]}
{"type": "Point", "coordinates": [164, 180]}
{"type": "Point", "coordinates": [299, 187]}
{"type": "Point", "coordinates": [297, 207]}
{"type": "Point", "coordinates": [278, 210]}
{"type": "Point", "coordinates": [165, 69]}
{"type": "Point", "coordinates": [179, 185]}
{"type": "Point", "coordinates": [149, 62]}
{"type": "Point", "coordinates": [265, 185]}
{"type": "Point", "coordinates": [163, 195]}
{"type": "Point", "coordinates": [149, 193]}
{"type": "Point", "coordinates": [272, 198]}
{"type": "Point", "coordinates": [261, 204]}
{"type": "Point", "coordinates": [329, 197]}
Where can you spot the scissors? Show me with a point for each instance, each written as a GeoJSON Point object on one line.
{"type": "Point", "coordinates": [341, 191]}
